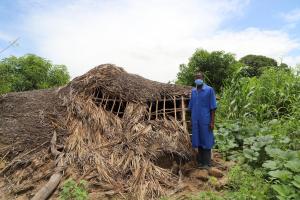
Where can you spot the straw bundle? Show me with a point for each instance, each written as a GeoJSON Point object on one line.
{"type": "Point", "coordinates": [121, 153]}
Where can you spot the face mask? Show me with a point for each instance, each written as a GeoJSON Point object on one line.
{"type": "Point", "coordinates": [199, 82]}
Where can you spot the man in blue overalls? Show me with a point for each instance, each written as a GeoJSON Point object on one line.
{"type": "Point", "coordinates": [202, 106]}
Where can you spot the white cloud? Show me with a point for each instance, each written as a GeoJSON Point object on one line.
{"type": "Point", "coordinates": [292, 60]}
{"type": "Point", "coordinates": [150, 38]}
{"type": "Point", "coordinates": [273, 43]}
{"type": "Point", "coordinates": [292, 16]}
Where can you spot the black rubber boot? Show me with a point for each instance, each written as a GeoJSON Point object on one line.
{"type": "Point", "coordinates": [206, 157]}
{"type": "Point", "coordinates": [200, 157]}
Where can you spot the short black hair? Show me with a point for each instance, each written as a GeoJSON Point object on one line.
{"type": "Point", "coordinates": [199, 74]}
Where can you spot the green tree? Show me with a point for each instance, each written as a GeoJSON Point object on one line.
{"type": "Point", "coordinates": [255, 64]}
{"type": "Point", "coordinates": [30, 72]}
{"type": "Point", "coordinates": [216, 66]}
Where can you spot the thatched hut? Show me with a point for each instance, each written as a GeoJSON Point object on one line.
{"type": "Point", "coordinates": [107, 126]}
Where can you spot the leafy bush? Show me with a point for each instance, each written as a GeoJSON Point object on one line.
{"type": "Point", "coordinates": [30, 72]}
{"type": "Point", "coordinates": [73, 191]}
{"type": "Point", "coordinates": [284, 171]}
{"type": "Point", "coordinates": [217, 66]}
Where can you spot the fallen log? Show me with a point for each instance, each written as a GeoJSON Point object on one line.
{"type": "Point", "coordinates": [54, 180]}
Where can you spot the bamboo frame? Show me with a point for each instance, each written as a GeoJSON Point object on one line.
{"type": "Point", "coordinates": [161, 100]}
{"type": "Point", "coordinates": [158, 112]}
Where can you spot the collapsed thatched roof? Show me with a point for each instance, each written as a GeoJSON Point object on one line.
{"type": "Point", "coordinates": [117, 155]}
{"type": "Point", "coordinates": [115, 81]}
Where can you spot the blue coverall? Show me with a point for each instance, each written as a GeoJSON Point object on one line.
{"type": "Point", "coordinates": [202, 102]}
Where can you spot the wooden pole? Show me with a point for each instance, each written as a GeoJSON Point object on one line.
{"type": "Point", "coordinates": [119, 107]}
{"type": "Point", "coordinates": [102, 99]}
{"type": "Point", "coordinates": [106, 100]}
{"type": "Point", "coordinates": [112, 108]}
{"type": "Point", "coordinates": [164, 107]}
{"type": "Point", "coordinates": [156, 109]}
{"type": "Point", "coordinates": [183, 114]}
{"type": "Point", "coordinates": [149, 116]}
{"type": "Point", "coordinates": [175, 112]}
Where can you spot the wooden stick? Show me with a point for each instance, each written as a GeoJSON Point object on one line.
{"type": "Point", "coordinates": [149, 116]}
{"type": "Point", "coordinates": [103, 95]}
{"type": "Point", "coordinates": [164, 107]}
{"type": "Point", "coordinates": [183, 114]}
{"type": "Point", "coordinates": [160, 112]}
{"type": "Point", "coordinates": [175, 108]}
{"type": "Point", "coordinates": [106, 102]}
{"type": "Point", "coordinates": [156, 109]}
{"type": "Point", "coordinates": [119, 107]}
{"type": "Point", "coordinates": [113, 105]}
{"type": "Point", "coordinates": [107, 99]}
{"type": "Point", "coordinates": [54, 180]}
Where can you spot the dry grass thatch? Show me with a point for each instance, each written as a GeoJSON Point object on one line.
{"type": "Point", "coordinates": [120, 153]}
{"type": "Point", "coordinates": [113, 129]}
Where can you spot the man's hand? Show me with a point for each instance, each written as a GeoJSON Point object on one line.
{"type": "Point", "coordinates": [212, 125]}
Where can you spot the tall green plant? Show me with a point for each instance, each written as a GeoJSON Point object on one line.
{"type": "Point", "coordinates": [275, 94]}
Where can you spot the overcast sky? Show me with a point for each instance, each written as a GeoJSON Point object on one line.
{"type": "Point", "coordinates": [148, 37]}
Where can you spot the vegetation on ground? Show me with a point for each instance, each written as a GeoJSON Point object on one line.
{"type": "Point", "coordinates": [74, 191]}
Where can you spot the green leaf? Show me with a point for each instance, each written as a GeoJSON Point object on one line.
{"type": "Point", "coordinates": [270, 164]}
{"type": "Point", "coordinates": [283, 190]}
{"type": "Point", "coordinates": [290, 155]}
{"type": "Point", "coordinates": [296, 181]}
{"type": "Point", "coordinates": [293, 165]}
{"type": "Point", "coordinates": [250, 154]}
{"type": "Point", "coordinates": [274, 152]}
{"type": "Point", "coordinates": [283, 175]}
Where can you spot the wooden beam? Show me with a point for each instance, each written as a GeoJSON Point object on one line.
{"type": "Point", "coordinates": [183, 114]}
{"type": "Point", "coordinates": [149, 115]}
{"type": "Point", "coordinates": [112, 108]}
{"type": "Point", "coordinates": [106, 102]}
{"type": "Point", "coordinates": [156, 110]}
{"type": "Point", "coordinates": [175, 114]}
{"type": "Point", "coordinates": [119, 107]}
{"type": "Point", "coordinates": [103, 95]}
{"type": "Point", "coordinates": [164, 107]}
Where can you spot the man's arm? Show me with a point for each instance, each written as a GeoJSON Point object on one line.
{"type": "Point", "coordinates": [212, 119]}
{"type": "Point", "coordinates": [213, 107]}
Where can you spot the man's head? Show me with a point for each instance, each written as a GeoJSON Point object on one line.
{"type": "Point", "coordinates": [199, 75]}
{"type": "Point", "coordinates": [199, 79]}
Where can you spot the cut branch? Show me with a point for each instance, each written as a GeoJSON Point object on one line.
{"type": "Point", "coordinates": [54, 180]}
